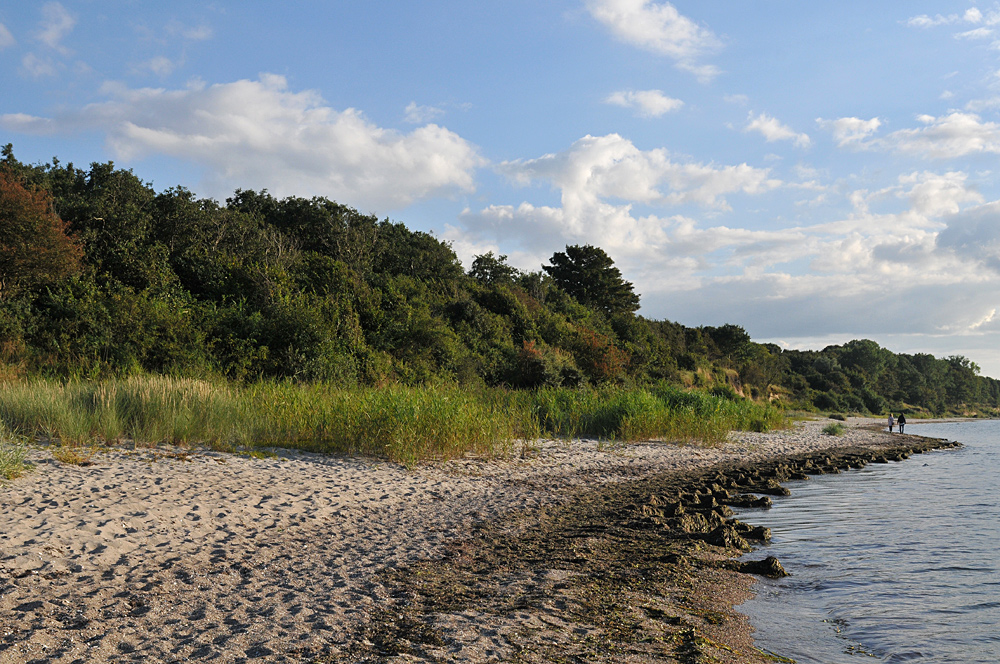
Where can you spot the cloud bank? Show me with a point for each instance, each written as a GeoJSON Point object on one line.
{"type": "Point", "coordinates": [258, 133]}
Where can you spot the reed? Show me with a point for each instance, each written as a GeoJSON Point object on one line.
{"type": "Point", "coordinates": [662, 412]}
{"type": "Point", "coordinates": [13, 455]}
{"type": "Point", "coordinates": [404, 424]}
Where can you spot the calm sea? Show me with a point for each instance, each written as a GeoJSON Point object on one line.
{"type": "Point", "coordinates": [890, 563]}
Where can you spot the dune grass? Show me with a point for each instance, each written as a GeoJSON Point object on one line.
{"type": "Point", "coordinates": [13, 455]}
{"type": "Point", "coordinates": [663, 412]}
{"type": "Point", "coordinates": [404, 424]}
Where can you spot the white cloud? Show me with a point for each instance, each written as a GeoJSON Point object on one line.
{"type": "Point", "coordinates": [57, 23]}
{"type": "Point", "coordinates": [259, 134]}
{"type": "Point", "coordinates": [160, 65]}
{"type": "Point", "coordinates": [648, 103]}
{"type": "Point", "coordinates": [600, 167]}
{"type": "Point", "coordinates": [947, 137]}
{"type": "Point", "coordinates": [978, 33]}
{"type": "Point", "coordinates": [971, 15]}
{"type": "Point", "coordinates": [974, 234]}
{"type": "Point", "coordinates": [850, 132]}
{"type": "Point", "coordinates": [658, 27]}
{"type": "Point", "coordinates": [600, 179]}
{"type": "Point", "coordinates": [190, 33]}
{"type": "Point", "coordinates": [934, 195]}
{"type": "Point", "coordinates": [416, 114]}
{"type": "Point", "coordinates": [739, 100]}
{"type": "Point", "coordinates": [37, 67]}
{"type": "Point", "coordinates": [772, 130]}
{"type": "Point", "coordinates": [6, 38]}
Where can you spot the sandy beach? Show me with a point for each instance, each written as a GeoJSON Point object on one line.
{"type": "Point", "coordinates": [167, 555]}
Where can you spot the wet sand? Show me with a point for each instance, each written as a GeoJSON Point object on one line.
{"type": "Point", "coordinates": [168, 555]}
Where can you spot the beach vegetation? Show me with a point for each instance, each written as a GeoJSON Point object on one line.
{"type": "Point", "coordinates": [147, 301]}
{"type": "Point", "coordinates": [834, 429]}
{"type": "Point", "coordinates": [397, 422]}
{"type": "Point", "coordinates": [13, 455]}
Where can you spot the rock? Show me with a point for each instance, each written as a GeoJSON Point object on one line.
{"type": "Point", "coordinates": [772, 489]}
{"type": "Point", "coordinates": [750, 501]}
{"type": "Point", "coordinates": [726, 536]}
{"type": "Point", "coordinates": [769, 567]}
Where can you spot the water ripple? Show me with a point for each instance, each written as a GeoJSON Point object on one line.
{"type": "Point", "coordinates": [896, 562]}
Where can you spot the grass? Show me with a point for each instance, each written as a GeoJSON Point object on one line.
{"type": "Point", "coordinates": [404, 424]}
{"type": "Point", "coordinates": [834, 429]}
{"type": "Point", "coordinates": [13, 456]}
{"type": "Point", "coordinates": [664, 412]}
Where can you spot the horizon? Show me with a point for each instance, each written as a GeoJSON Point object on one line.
{"type": "Point", "coordinates": [814, 174]}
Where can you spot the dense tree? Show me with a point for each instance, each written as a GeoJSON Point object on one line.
{"type": "Point", "coordinates": [309, 289]}
{"type": "Point", "coordinates": [490, 269]}
{"type": "Point", "coordinates": [35, 247]}
{"type": "Point", "coordinates": [589, 275]}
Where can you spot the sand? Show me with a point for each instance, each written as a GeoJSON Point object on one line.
{"type": "Point", "coordinates": [167, 556]}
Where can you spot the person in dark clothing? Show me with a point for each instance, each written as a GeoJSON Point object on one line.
{"type": "Point", "coordinates": [901, 421]}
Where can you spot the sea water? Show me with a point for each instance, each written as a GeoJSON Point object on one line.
{"type": "Point", "coordinates": [895, 562]}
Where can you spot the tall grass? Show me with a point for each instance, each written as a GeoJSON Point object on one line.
{"type": "Point", "coordinates": [405, 424]}
{"type": "Point", "coordinates": [663, 412]}
{"type": "Point", "coordinates": [13, 456]}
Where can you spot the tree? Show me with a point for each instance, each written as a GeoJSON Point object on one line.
{"type": "Point", "coordinates": [34, 245]}
{"type": "Point", "coordinates": [490, 269]}
{"type": "Point", "coordinates": [590, 276]}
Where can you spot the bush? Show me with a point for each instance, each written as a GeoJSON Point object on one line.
{"type": "Point", "coordinates": [838, 416]}
{"type": "Point", "coordinates": [834, 429]}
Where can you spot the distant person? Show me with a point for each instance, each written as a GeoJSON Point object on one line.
{"type": "Point", "coordinates": [902, 422]}
{"type": "Point", "coordinates": [891, 422]}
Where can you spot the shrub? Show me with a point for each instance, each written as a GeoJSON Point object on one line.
{"type": "Point", "coordinates": [833, 429]}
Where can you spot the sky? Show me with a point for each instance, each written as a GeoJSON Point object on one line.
{"type": "Point", "coordinates": [815, 172]}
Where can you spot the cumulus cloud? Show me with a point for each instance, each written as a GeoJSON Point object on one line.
{"type": "Point", "coordinates": [6, 38]}
{"type": "Point", "coordinates": [612, 167]}
{"type": "Point", "coordinates": [600, 180]}
{"type": "Point", "coordinates": [937, 194]}
{"type": "Point", "coordinates": [647, 103]}
{"type": "Point", "coordinates": [772, 130]}
{"type": "Point", "coordinates": [260, 134]}
{"type": "Point", "coordinates": [56, 24]}
{"type": "Point", "coordinates": [949, 136]}
{"type": "Point", "coordinates": [974, 234]}
{"type": "Point", "coordinates": [658, 27]}
{"type": "Point", "coordinates": [850, 132]}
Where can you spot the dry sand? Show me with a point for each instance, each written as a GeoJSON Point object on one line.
{"type": "Point", "coordinates": [166, 556]}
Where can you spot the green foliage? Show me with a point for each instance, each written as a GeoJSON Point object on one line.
{"type": "Point", "coordinates": [589, 275]}
{"type": "Point", "coordinates": [13, 455]}
{"type": "Point", "coordinates": [493, 270]}
{"type": "Point", "coordinates": [834, 429]}
{"type": "Point", "coordinates": [309, 290]}
{"type": "Point", "coordinates": [663, 412]}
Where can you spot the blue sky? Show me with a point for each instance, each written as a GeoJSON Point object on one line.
{"type": "Point", "coordinates": [815, 172]}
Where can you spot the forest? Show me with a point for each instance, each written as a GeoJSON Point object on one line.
{"type": "Point", "coordinates": [102, 277]}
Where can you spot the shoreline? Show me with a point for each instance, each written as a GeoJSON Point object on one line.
{"type": "Point", "coordinates": [164, 555]}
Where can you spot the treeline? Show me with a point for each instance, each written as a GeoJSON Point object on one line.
{"type": "Point", "coordinates": [101, 276]}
